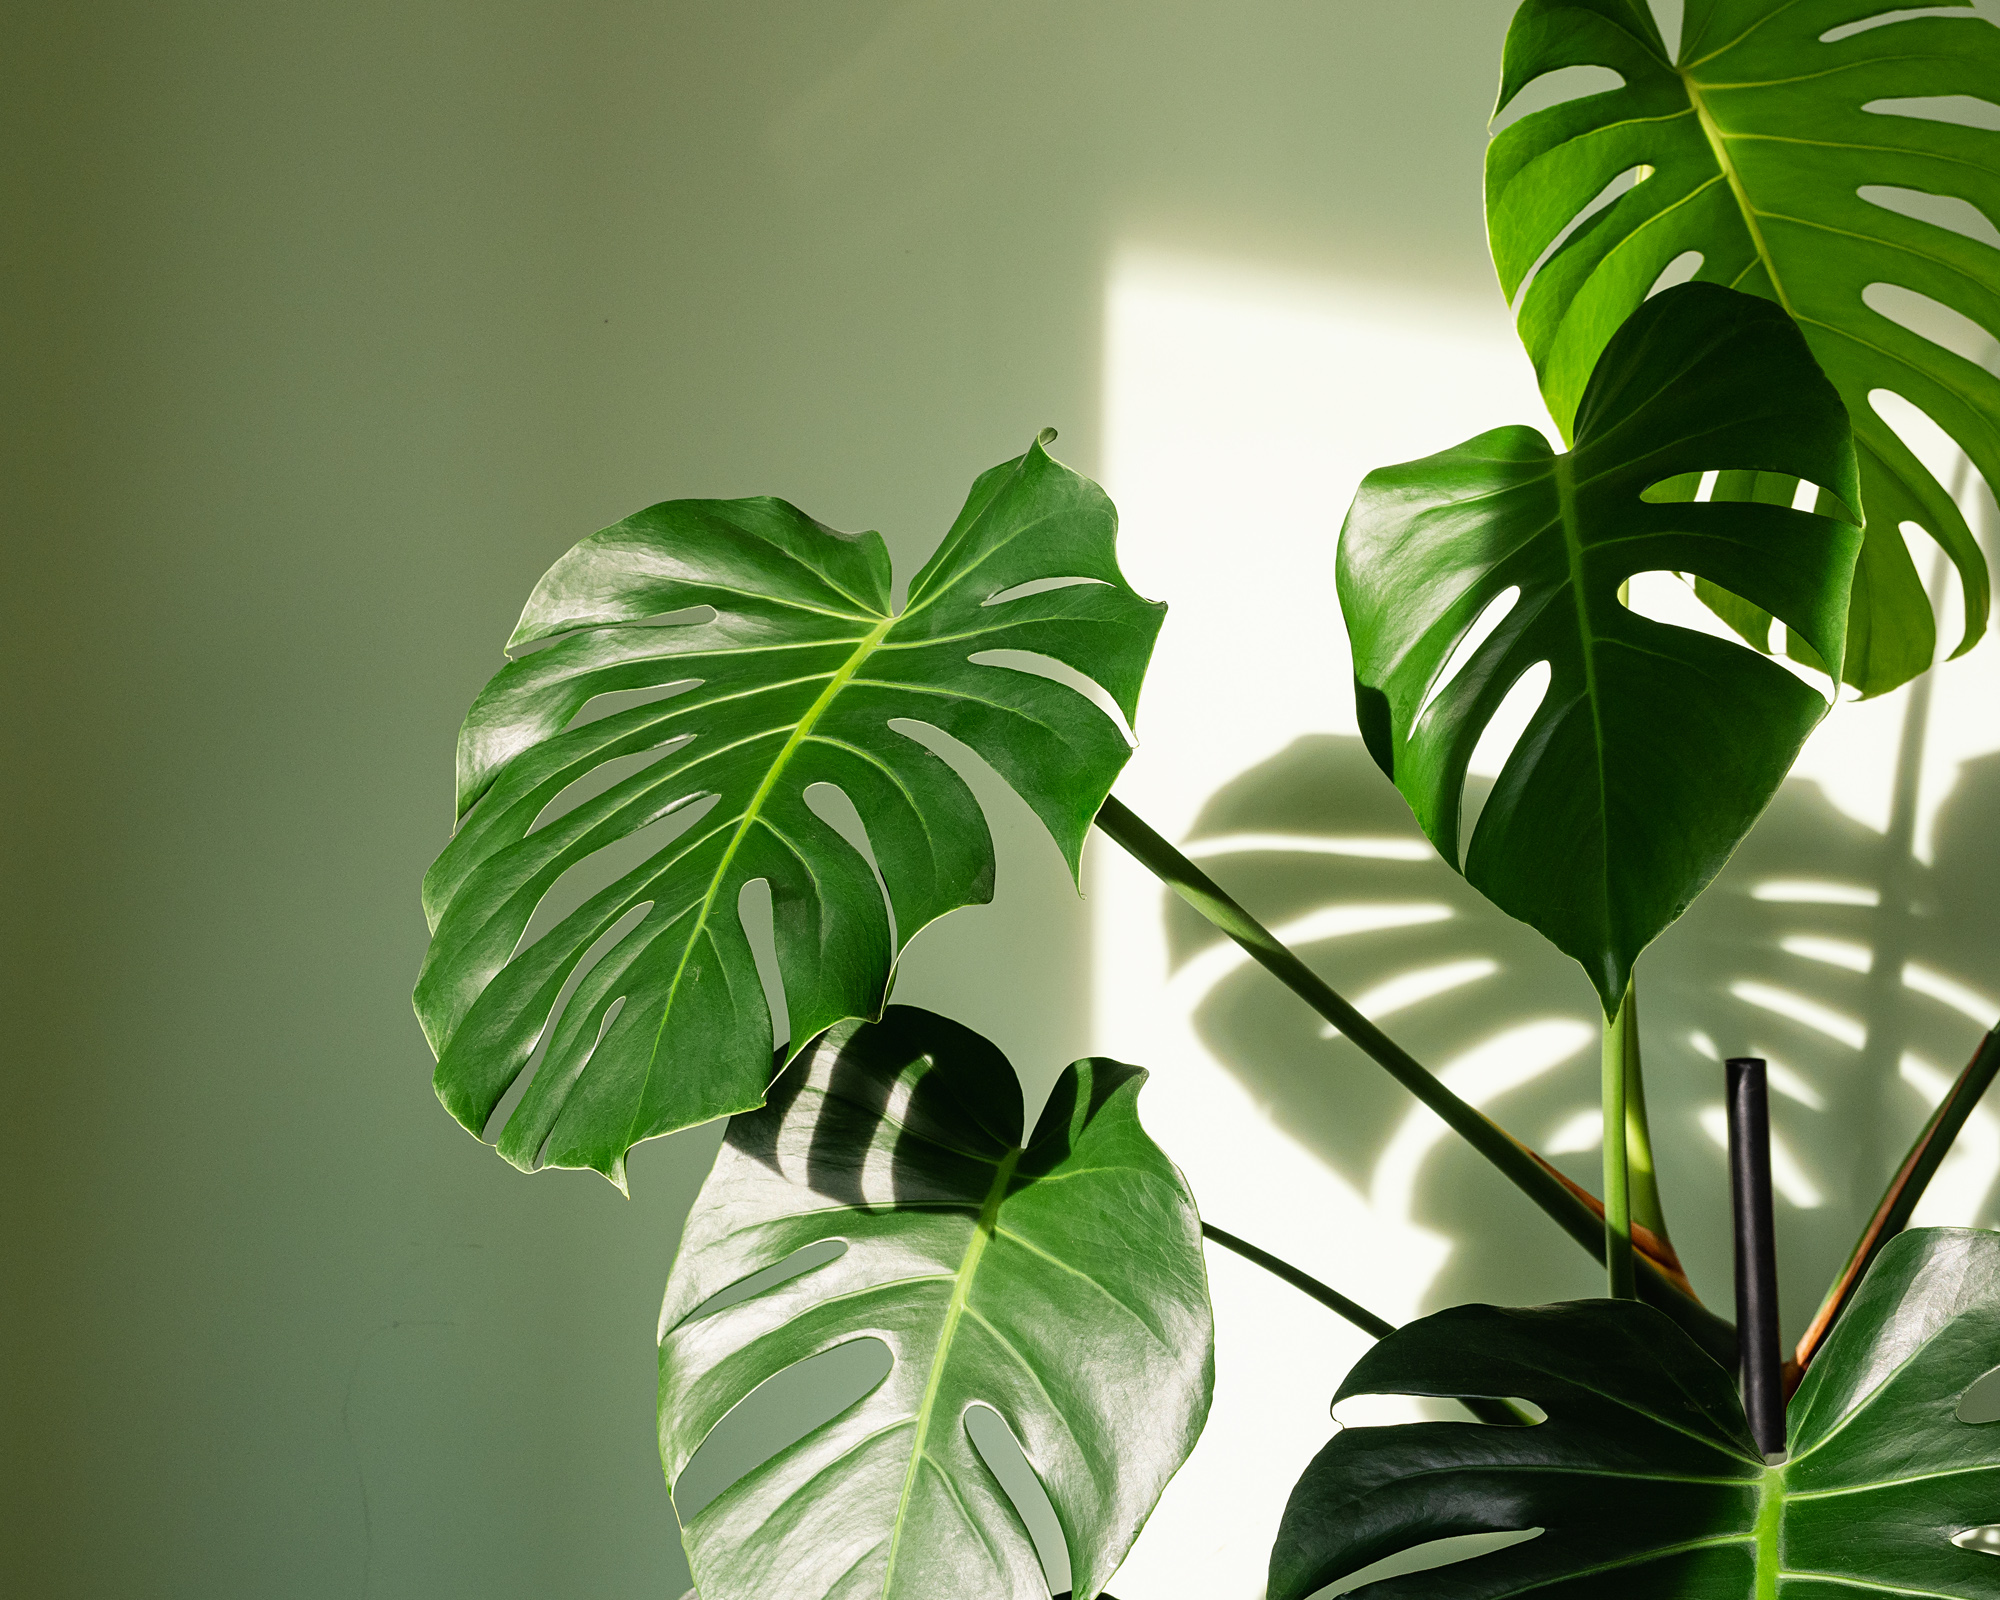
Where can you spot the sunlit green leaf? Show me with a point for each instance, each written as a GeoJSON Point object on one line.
{"type": "Point", "coordinates": [1655, 747]}
{"type": "Point", "coordinates": [1060, 1283]}
{"type": "Point", "coordinates": [1758, 150]}
{"type": "Point", "coordinates": [771, 662]}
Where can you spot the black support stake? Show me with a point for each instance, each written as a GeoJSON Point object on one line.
{"type": "Point", "coordinates": [1756, 1252]}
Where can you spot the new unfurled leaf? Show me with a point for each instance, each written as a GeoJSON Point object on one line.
{"type": "Point", "coordinates": [1655, 747]}
{"type": "Point", "coordinates": [1059, 1282]}
{"type": "Point", "coordinates": [769, 664]}
{"type": "Point", "coordinates": [1798, 147]}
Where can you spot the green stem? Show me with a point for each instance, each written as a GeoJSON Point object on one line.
{"type": "Point", "coordinates": [1643, 1179]}
{"type": "Point", "coordinates": [1618, 1268]}
{"type": "Point", "coordinates": [1511, 1157]}
{"type": "Point", "coordinates": [1364, 1319]}
{"type": "Point", "coordinates": [1498, 1411]}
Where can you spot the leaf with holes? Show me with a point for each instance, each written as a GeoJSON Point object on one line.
{"type": "Point", "coordinates": [1655, 747]}
{"type": "Point", "coordinates": [1329, 855]}
{"type": "Point", "coordinates": [799, 676]}
{"type": "Point", "coordinates": [1644, 1481]}
{"type": "Point", "coordinates": [1758, 149]}
{"type": "Point", "coordinates": [1060, 1284]}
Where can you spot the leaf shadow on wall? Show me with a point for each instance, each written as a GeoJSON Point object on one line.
{"type": "Point", "coordinates": [1823, 945]}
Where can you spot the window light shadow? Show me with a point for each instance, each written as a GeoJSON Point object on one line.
{"type": "Point", "coordinates": [1797, 953]}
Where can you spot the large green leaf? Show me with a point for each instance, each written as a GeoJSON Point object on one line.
{"type": "Point", "coordinates": [794, 672]}
{"type": "Point", "coordinates": [1756, 150]}
{"type": "Point", "coordinates": [1655, 747]}
{"type": "Point", "coordinates": [1644, 1482]}
{"type": "Point", "coordinates": [1061, 1284]}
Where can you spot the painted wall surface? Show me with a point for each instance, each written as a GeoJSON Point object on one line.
{"type": "Point", "coordinates": [327, 327]}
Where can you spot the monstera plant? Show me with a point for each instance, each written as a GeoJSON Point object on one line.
{"type": "Point", "coordinates": [717, 790]}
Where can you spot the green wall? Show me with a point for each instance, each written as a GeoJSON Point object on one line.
{"type": "Point", "coordinates": [327, 327]}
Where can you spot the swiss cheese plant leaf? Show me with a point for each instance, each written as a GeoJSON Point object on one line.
{"type": "Point", "coordinates": [1059, 1283]}
{"type": "Point", "coordinates": [1643, 1481]}
{"type": "Point", "coordinates": [1796, 153]}
{"type": "Point", "coordinates": [1655, 747]}
{"type": "Point", "coordinates": [770, 669]}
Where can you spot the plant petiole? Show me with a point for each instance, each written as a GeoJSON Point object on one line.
{"type": "Point", "coordinates": [1501, 1412]}
{"type": "Point", "coordinates": [1528, 1173]}
{"type": "Point", "coordinates": [1620, 1281]}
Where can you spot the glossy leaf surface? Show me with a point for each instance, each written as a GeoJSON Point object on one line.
{"type": "Point", "coordinates": [1655, 747]}
{"type": "Point", "coordinates": [1798, 166]}
{"type": "Point", "coordinates": [1643, 1479]}
{"type": "Point", "coordinates": [785, 671]}
{"type": "Point", "coordinates": [1061, 1284]}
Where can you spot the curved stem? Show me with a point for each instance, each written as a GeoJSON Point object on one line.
{"type": "Point", "coordinates": [1528, 1173]}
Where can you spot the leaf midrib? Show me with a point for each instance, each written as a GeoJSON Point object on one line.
{"type": "Point", "coordinates": [801, 730]}
{"type": "Point", "coordinates": [1718, 144]}
{"type": "Point", "coordinates": [1587, 640]}
{"type": "Point", "coordinates": [961, 1291]}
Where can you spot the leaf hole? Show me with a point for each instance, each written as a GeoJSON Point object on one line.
{"type": "Point", "coordinates": [775, 1415]}
{"type": "Point", "coordinates": [1018, 1480]}
{"type": "Point", "coordinates": [1930, 319]}
{"type": "Point", "coordinates": [753, 911]}
{"type": "Point", "coordinates": [1768, 488]}
{"type": "Point", "coordinates": [1672, 599]}
{"type": "Point", "coordinates": [1622, 184]}
{"type": "Point", "coordinates": [1986, 1539]}
{"type": "Point", "coordinates": [1940, 210]}
{"type": "Point", "coordinates": [503, 1108]}
{"type": "Point", "coordinates": [1981, 1400]}
{"type": "Point", "coordinates": [603, 1027]}
{"type": "Point", "coordinates": [1021, 591]}
{"type": "Point", "coordinates": [612, 863]}
{"type": "Point", "coordinates": [1964, 109]}
{"type": "Point", "coordinates": [1919, 433]}
{"type": "Point", "coordinates": [1491, 615]}
{"type": "Point", "coordinates": [796, 1265]}
{"type": "Point", "coordinates": [1668, 14]}
{"type": "Point", "coordinates": [1676, 272]}
{"type": "Point", "coordinates": [1681, 489]}
{"type": "Point", "coordinates": [605, 776]}
{"type": "Point", "coordinates": [1426, 1557]}
{"type": "Point", "coordinates": [1553, 89]}
{"type": "Point", "coordinates": [663, 619]}
{"type": "Point", "coordinates": [1497, 741]}
{"type": "Point", "coordinates": [1040, 666]}
{"type": "Point", "coordinates": [836, 808]}
{"type": "Point", "coordinates": [1883, 19]}
{"type": "Point", "coordinates": [613, 701]}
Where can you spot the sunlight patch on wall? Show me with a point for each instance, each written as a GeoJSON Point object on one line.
{"type": "Point", "coordinates": [1242, 409]}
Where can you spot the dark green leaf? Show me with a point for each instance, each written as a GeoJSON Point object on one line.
{"type": "Point", "coordinates": [1757, 152]}
{"type": "Point", "coordinates": [1655, 748]}
{"type": "Point", "coordinates": [1061, 1284]}
{"type": "Point", "coordinates": [1644, 1481]}
{"type": "Point", "coordinates": [798, 676]}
